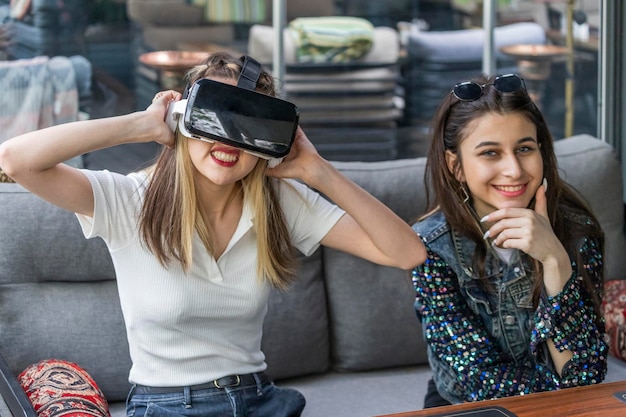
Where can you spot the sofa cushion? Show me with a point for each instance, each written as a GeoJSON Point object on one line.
{"type": "Point", "coordinates": [58, 295]}
{"type": "Point", "coordinates": [373, 322]}
{"type": "Point", "coordinates": [592, 167]}
{"type": "Point", "coordinates": [43, 240]}
{"type": "Point", "coordinates": [295, 331]}
{"type": "Point", "coordinates": [79, 322]}
{"type": "Point", "coordinates": [60, 388]}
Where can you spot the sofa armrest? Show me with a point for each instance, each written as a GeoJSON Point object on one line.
{"type": "Point", "coordinates": [12, 393]}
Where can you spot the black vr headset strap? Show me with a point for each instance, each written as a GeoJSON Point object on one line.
{"type": "Point", "coordinates": [250, 73]}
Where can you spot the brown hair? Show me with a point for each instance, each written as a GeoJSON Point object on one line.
{"type": "Point", "coordinates": [451, 124]}
{"type": "Point", "coordinates": [167, 228]}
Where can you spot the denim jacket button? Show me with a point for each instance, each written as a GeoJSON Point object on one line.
{"type": "Point", "coordinates": [509, 320]}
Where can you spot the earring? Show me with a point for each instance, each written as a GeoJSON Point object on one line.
{"type": "Point", "coordinates": [465, 194]}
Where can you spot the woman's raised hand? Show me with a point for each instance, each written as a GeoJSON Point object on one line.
{"type": "Point", "coordinates": [158, 108]}
{"type": "Point", "coordinates": [301, 162]}
{"type": "Point", "coordinates": [530, 231]}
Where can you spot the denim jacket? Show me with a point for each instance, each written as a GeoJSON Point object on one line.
{"type": "Point", "coordinates": [488, 343]}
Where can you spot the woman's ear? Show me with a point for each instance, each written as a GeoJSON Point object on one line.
{"type": "Point", "coordinates": [454, 167]}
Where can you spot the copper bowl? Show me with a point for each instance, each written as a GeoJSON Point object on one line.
{"type": "Point", "coordinates": [535, 52]}
{"type": "Point", "coordinates": [177, 61]}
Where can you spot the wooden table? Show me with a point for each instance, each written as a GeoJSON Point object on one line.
{"type": "Point", "coordinates": [590, 401]}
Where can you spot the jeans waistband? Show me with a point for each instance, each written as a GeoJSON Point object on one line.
{"type": "Point", "coordinates": [229, 381]}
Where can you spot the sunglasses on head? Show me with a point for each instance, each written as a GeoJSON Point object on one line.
{"type": "Point", "coordinates": [470, 90]}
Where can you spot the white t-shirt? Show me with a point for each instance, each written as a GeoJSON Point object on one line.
{"type": "Point", "coordinates": [191, 328]}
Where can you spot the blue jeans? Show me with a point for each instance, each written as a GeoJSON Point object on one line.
{"type": "Point", "coordinates": [260, 400]}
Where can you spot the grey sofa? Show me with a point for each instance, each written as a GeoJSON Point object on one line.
{"type": "Point", "coordinates": [345, 334]}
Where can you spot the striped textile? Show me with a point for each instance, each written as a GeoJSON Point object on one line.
{"type": "Point", "coordinates": [331, 39]}
{"type": "Point", "coordinates": [237, 11]}
{"type": "Point", "coordinates": [36, 93]}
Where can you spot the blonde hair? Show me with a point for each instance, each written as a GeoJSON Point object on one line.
{"type": "Point", "coordinates": [167, 228]}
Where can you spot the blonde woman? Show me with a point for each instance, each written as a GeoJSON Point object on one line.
{"type": "Point", "coordinates": [199, 239]}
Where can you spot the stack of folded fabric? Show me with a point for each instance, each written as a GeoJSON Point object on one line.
{"type": "Point", "coordinates": [439, 59]}
{"type": "Point", "coordinates": [41, 92]}
{"type": "Point", "coordinates": [343, 74]}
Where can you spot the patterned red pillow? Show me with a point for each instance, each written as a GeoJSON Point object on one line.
{"type": "Point", "coordinates": [60, 388]}
{"type": "Point", "coordinates": [614, 309]}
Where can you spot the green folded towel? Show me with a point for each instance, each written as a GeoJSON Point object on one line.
{"type": "Point", "coordinates": [331, 39]}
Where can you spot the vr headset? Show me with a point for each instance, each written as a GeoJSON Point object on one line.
{"type": "Point", "coordinates": [238, 116]}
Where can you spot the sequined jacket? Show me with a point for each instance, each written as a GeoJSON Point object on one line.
{"type": "Point", "coordinates": [489, 343]}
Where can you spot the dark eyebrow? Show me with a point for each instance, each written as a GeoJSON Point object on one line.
{"type": "Point", "coordinates": [488, 143]}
